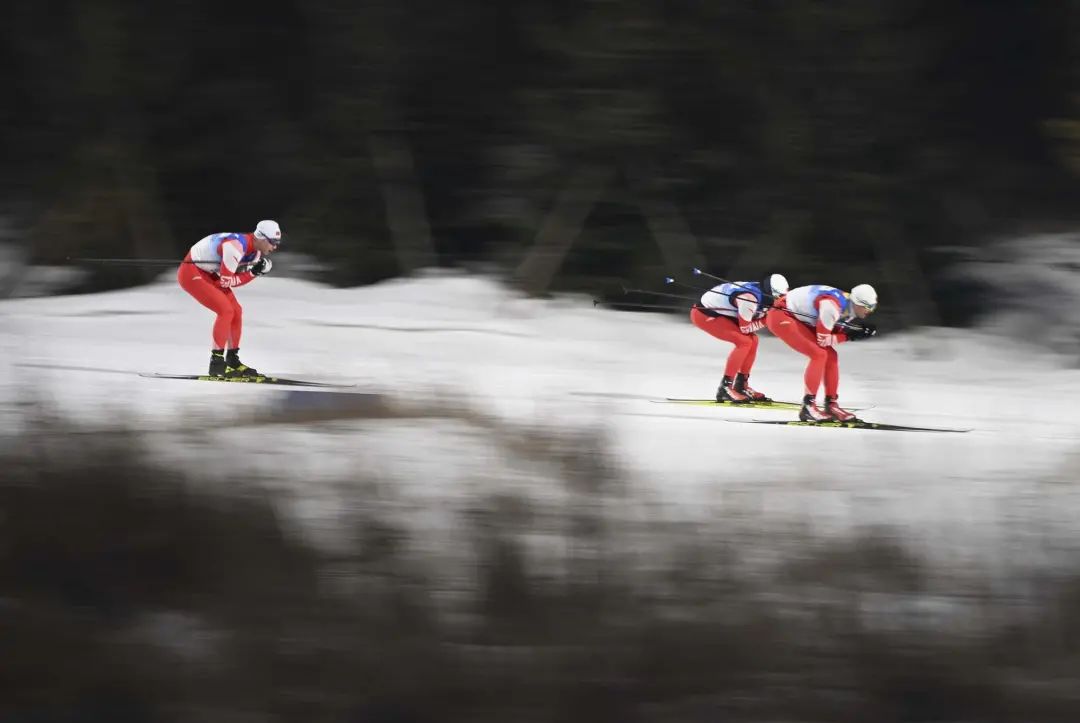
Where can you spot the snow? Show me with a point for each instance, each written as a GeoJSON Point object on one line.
{"type": "Point", "coordinates": [562, 364]}
{"type": "Point", "coordinates": [1034, 287]}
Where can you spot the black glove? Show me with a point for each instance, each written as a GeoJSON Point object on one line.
{"type": "Point", "coordinates": [262, 266]}
{"type": "Point", "coordinates": [857, 333]}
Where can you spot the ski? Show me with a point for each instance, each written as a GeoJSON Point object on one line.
{"type": "Point", "coordinates": [279, 381]}
{"type": "Point", "coordinates": [714, 403]}
{"type": "Point", "coordinates": [848, 425]}
{"type": "Point", "coordinates": [746, 405]}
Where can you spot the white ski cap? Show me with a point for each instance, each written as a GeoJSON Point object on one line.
{"type": "Point", "coordinates": [864, 295]}
{"type": "Point", "coordinates": [778, 285]}
{"type": "Point", "coordinates": [269, 231]}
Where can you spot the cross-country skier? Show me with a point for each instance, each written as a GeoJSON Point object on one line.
{"type": "Point", "coordinates": [211, 270]}
{"type": "Point", "coordinates": [813, 320]}
{"type": "Point", "coordinates": [734, 312]}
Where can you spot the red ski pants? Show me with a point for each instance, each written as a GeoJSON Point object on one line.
{"type": "Point", "coordinates": [741, 359]}
{"type": "Point", "coordinates": [823, 365]}
{"type": "Point", "coordinates": [204, 287]}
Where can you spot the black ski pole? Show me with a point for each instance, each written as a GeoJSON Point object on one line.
{"type": "Point", "coordinates": [659, 293]}
{"type": "Point", "coordinates": [632, 305]}
{"type": "Point", "coordinates": [130, 262]}
{"type": "Point", "coordinates": [722, 280]}
{"type": "Point", "coordinates": [714, 277]}
{"type": "Point", "coordinates": [671, 280]}
{"type": "Point", "coordinates": [136, 263]}
{"type": "Point", "coordinates": [699, 272]}
{"type": "Point", "coordinates": [695, 299]}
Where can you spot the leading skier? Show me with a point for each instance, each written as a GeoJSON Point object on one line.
{"type": "Point", "coordinates": [814, 320]}
{"type": "Point", "coordinates": [215, 266]}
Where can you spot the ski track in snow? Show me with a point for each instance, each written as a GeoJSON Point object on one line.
{"type": "Point", "coordinates": [1006, 484]}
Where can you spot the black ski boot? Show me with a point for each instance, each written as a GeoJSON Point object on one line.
{"type": "Point", "coordinates": [727, 393]}
{"type": "Point", "coordinates": [811, 412]}
{"type": "Point", "coordinates": [236, 368]}
{"type": "Point", "coordinates": [742, 385]}
{"type": "Point", "coordinates": [217, 363]}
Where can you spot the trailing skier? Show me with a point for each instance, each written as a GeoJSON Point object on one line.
{"type": "Point", "coordinates": [734, 312]}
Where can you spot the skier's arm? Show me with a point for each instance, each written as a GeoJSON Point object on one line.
{"type": "Point", "coordinates": [231, 253]}
{"type": "Point", "coordinates": [828, 315]}
{"type": "Point", "coordinates": [747, 306]}
{"type": "Point", "coordinates": [242, 278]}
{"type": "Point", "coordinates": [841, 331]}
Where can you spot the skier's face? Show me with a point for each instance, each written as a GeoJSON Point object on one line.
{"type": "Point", "coordinates": [861, 311]}
{"type": "Point", "coordinates": [263, 246]}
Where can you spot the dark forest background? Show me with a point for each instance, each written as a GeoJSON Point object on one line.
{"type": "Point", "coordinates": [833, 139]}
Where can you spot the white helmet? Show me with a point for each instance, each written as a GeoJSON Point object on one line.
{"type": "Point", "coordinates": [864, 295]}
{"type": "Point", "coordinates": [776, 285]}
{"type": "Point", "coordinates": [269, 231]}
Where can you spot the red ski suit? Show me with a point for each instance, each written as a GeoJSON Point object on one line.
{"type": "Point", "coordinates": [214, 291]}
{"type": "Point", "coordinates": [816, 343]}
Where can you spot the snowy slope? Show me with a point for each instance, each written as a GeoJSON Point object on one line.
{"type": "Point", "coordinates": [565, 363]}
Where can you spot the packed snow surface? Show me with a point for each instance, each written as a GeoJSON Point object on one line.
{"type": "Point", "coordinates": [564, 364]}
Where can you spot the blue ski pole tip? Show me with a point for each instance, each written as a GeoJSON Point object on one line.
{"type": "Point", "coordinates": [697, 272]}
{"type": "Point", "coordinates": [669, 280]}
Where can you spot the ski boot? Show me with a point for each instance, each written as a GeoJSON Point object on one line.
{"type": "Point", "coordinates": [727, 393]}
{"type": "Point", "coordinates": [811, 412]}
{"type": "Point", "coordinates": [742, 385]}
{"type": "Point", "coordinates": [234, 368]}
{"type": "Point", "coordinates": [217, 363]}
{"type": "Point", "coordinates": [838, 413]}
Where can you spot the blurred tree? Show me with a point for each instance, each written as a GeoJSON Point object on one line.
{"type": "Point", "coordinates": [379, 134]}
{"type": "Point", "coordinates": [1065, 132]}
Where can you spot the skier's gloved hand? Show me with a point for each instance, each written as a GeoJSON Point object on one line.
{"type": "Point", "coordinates": [262, 266]}
{"type": "Point", "coordinates": [857, 333]}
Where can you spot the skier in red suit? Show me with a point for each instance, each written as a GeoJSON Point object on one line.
{"type": "Point", "coordinates": [211, 270]}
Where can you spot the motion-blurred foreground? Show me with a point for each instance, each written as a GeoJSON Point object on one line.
{"type": "Point", "coordinates": [139, 591]}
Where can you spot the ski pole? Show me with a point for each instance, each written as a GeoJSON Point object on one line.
{"type": "Point", "coordinates": [699, 272]}
{"type": "Point", "coordinates": [671, 280]}
{"type": "Point", "coordinates": [659, 293]}
{"type": "Point", "coordinates": [696, 300]}
{"type": "Point", "coordinates": [632, 305]}
{"type": "Point", "coordinates": [722, 280]}
{"type": "Point", "coordinates": [129, 262]}
{"type": "Point", "coordinates": [135, 263]}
